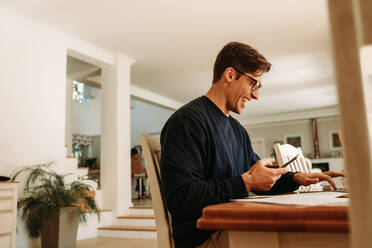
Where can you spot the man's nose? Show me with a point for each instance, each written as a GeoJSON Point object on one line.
{"type": "Point", "coordinates": [255, 94]}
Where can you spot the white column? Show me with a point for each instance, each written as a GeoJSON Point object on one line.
{"type": "Point", "coordinates": [123, 175]}
{"type": "Point", "coordinates": [363, 19]}
{"type": "Point", "coordinates": [353, 113]}
{"type": "Point", "coordinates": [69, 109]}
{"type": "Point", "coordinates": [108, 137]}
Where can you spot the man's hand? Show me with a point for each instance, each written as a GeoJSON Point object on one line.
{"type": "Point", "coordinates": [261, 178]}
{"type": "Point", "coordinates": [311, 178]}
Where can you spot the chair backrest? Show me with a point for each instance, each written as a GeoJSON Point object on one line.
{"type": "Point", "coordinates": [151, 150]}
{"type": "Point", "coordinates": [285, 152]}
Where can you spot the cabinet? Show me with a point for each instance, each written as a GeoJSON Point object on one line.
{"type": "Point", "coordinates": [8, 214]}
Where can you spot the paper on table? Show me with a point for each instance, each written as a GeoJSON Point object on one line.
{"type": "Point", "coordinates": [305, 199]}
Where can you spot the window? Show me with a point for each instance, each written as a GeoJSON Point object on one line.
{"type": "Point", "coordinates": [80, 92]}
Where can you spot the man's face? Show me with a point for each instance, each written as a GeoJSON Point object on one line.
{"type": "Point", "coordinates": [239, 91]}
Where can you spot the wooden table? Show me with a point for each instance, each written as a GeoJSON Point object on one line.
{"type": "Point", "coordinates": [276, 226]}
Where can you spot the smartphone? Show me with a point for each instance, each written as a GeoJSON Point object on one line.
{"type": "Point", "coordinates": [290, 161]}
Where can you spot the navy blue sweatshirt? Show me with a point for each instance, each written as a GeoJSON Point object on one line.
{"type": "Point", "coordinates": [204, 152]}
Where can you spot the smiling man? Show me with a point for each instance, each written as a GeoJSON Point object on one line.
{"type": "Point", "coordinates": [207, 157]}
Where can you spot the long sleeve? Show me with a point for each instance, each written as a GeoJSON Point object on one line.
{"type": "Point", "coordinates": [204, 153]}
{"type": "Point", "coordinates": [187, 185]}
{"type": "Point", "coordinates": [284, 184]}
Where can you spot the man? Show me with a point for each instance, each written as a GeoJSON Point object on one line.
{"type": "Point", "coordinates": [207, 157]}
{"type": "Point", "coordinates": [136, 163]}
{"type": "Point", "coordinates": [138, 173]}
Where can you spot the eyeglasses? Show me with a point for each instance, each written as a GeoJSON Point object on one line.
{"type": "Point", "coordinates": [256, 84]}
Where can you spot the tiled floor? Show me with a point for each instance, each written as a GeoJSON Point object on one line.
{"type": "Point", "coordinates": [105, 242]}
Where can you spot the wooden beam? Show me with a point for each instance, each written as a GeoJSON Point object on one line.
{"type": "Point", "coordinates": [363, 13]}
{"type": "Point", "coordinates": [90, 74]}
{"type": "Point", "coordinates": [353, 118]}
{"type": "Point", "coordinates": [91, 83]}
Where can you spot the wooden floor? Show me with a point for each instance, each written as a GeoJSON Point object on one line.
{"type": "Point", "coordinates": [105, 242]}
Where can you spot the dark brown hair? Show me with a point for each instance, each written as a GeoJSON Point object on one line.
{"type": "Point", "coordinates": [240, 56]}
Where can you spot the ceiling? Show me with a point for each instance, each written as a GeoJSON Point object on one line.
{"type": "Point", "coordinates": [174, 43]}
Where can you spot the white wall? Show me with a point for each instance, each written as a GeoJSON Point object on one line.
{"type": "Point", "coordinates": [32, 95]}
{"type": "Point", "coordinates": [275, 132]}
{"type": "Point", "coordinates": [33, 90]}
{"type": "Point", "coordinates": [152, 97]}
{"type": "Point", "coordinates": [33, 100]}
{"type": "Point", "coordinates": [146, 118]}
{"type": "Point", "coordinates": [324, 127]}
{"type": "Point", "coordinates": [86, 118]}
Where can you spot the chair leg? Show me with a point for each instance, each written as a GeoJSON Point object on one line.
{"type": "Point", "coordinates": [140, 182]}
{"type": "Point", "coordinates": [147, 189]}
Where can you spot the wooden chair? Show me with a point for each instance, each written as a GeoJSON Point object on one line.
{"type": "Point", "coordinates": [285, 152]}
{"type": "Point", "coordinates": [151, 150]}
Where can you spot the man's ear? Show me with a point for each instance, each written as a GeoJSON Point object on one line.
{"type": "Point", "coordinates": [229, 74]}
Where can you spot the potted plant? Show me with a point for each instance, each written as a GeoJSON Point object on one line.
{"type": "Point", "coordinates": [52, 207]}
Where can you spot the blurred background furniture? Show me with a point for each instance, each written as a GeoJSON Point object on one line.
{"type": "Point", "coordinates": [285, 152]}
{"type": "Point", "coordinates": [139, 176]}
{"type": "Point", "coordinates": [141, 186]}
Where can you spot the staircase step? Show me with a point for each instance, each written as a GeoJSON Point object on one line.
{"type": "Point", "coordinates": [141, 210]}
{"type": "Point", "coordinates": [136, 217]}
{"type": "Point", "coordinates": [129, 228]}
{"type": "Point", "coordinates": [136, 220]}
{"type": "Point", "coordinates": [140, 232]}
{"type": "Point", "coordinates": [141, 207]}
{"type": "Point", "coordinates": [89, 229]}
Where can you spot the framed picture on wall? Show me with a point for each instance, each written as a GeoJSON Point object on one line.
{"type": "Point", "coordinates": [334, 140]}
{"type": "Point", "coordinates": [295, 140]}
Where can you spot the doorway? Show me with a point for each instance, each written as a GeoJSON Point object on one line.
{"type": "Point", "coordinates": [145, 118]}
{"type": "Point", "coordinates": [84, 115]}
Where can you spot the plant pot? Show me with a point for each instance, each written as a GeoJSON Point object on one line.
{"type": "Point", "coordinates": [60, 230]}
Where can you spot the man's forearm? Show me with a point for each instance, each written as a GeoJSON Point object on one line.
{"type": "Point", "coordinates": [194, 196]}
{"type": "Point", "coordinates": [284, 184]}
